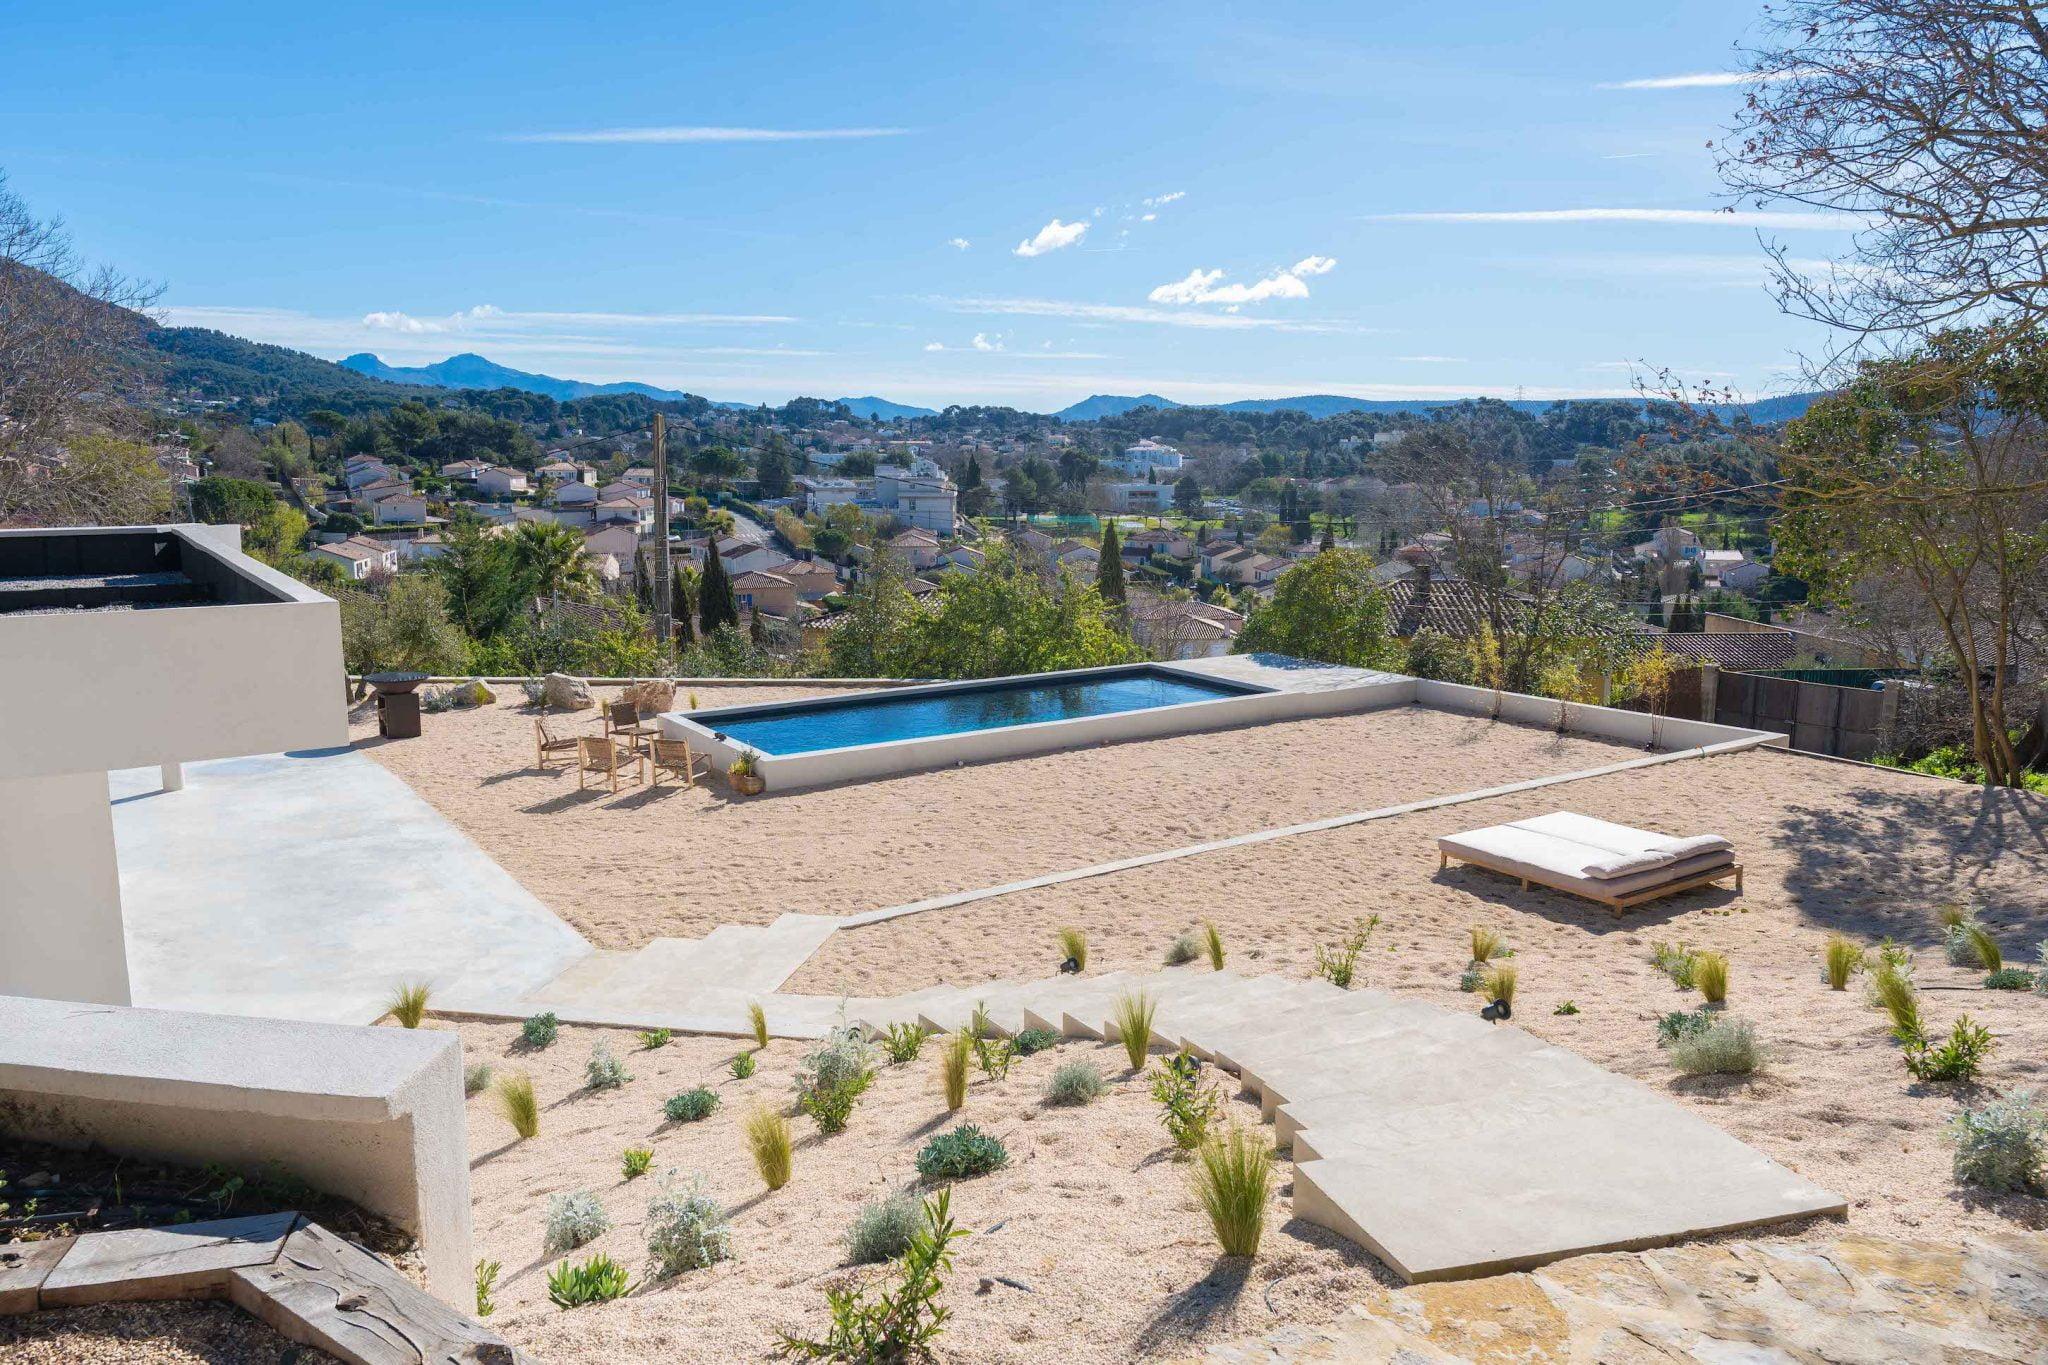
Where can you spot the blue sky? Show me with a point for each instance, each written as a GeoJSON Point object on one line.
{"type": "Point", "coordinates": [1010, 203]}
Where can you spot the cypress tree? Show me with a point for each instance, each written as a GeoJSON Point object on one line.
{"type": "Point", "coordinates": [1329, 536]}
{"type": "Point", "coordinates": [716, 604]}
{"type": "Point", "coordinates": [1109, 569]}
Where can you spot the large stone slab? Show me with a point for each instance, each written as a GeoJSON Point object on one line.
{"type": "Point", "coordinates": [163, 1263]}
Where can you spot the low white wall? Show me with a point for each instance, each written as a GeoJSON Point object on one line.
{"type": "Point", "coordinates": [374, 1115]}
{"type": "Point", "coordinates": [61, 933]}
{"type": "Point", "coordinates": [1632, 727]}
{"type": "Point", "coordinates": [794, 772]}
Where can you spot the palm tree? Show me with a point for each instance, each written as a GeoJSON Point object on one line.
{"type": "Point", "coordinates": [548, 561]}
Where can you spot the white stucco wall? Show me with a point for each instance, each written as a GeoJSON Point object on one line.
{"type": "Point", "coordinates": [60, 890]}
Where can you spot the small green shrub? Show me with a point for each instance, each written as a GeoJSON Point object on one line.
{"type": "Point", "coordinates": [1959, 947]}
{"type": "Point", "coordinates": [1487, 944]}
{"type": "Point", "coordinates": [1568, 1007]}
{"type": "Point", "coordinates": [1186, 1106]}
{"type": "Point", "coordinates": [994, 1055]}
{"type": "Point", "coordinates": [742, 1066]}
{"type": "Point", "coordinates": [1725, 1047]}
{"type": "Point", "coordinates": [1339, 965]}
{"type": "Point", "coordinates": [686, 1228]}
{"type": "Point", "coordinates": [539, 1031]}
{"type": "Point", "coordinates": [757, 1019]}
{"type": "Point", "coordinates": [767, 1135]}
{"type": "Point", "coordinates": [980, 1024]}
{"type": "Point", "coordinates": [1896, 955]}
{"type": "Point", "coordinates": [655, 1038]}
{"type": "Point", "coordinates": [883, 1228]}
{"type": "Point", "coordinates": [1891, 990]}
{"type": "Point", "coordinates": [1035, 1040]}
{"type": "Point", "coordinates": [598, 1280]}
{"type": "Point", "coordinates": [409, 1004]}
{"type": "Point", "coordinates": [635, 1161]}
{"type": "Point", "coordinates": [700, 1102]}
{"type": "Point", "coordinates": [1473, 977]}
{"type": "Point", "coordinates": [1841, 959]}
{"type": "Point", "coordinates": [901, 1042]}
{"type": "Point", "coordinates": [487, 1273]}
{"type": "Point", "coordinates": [573, 1219]}
{"type": "Point", "coordinates": [517, 1103]}
{"type": "Point", "coordinates": [834, 1076]}
{"type": "Point", "coordinates": [961, 1154]}
{"type": "Point", "coordinates": [890, 1324]}
{"type": "Point", "coordinates": [1212, 944]}
{"type": "Point", "coordinates": [476, 1078]}
{"type": "Point", "coordinates": [1075, 1083]}
{"type": "Point", "coordinates": [1074, 948]}
{"type": "Point", "coordinates": [1957, 1059]}
{"type": "Point", "coordinates": [1681, 1024]}
{"type": "Point", "coordinates": [604, 1071]}
{"type": "Point", "coordinates": [1232, 1177]}
{"type": "Point", "coordinates": [2009, 979]}
{"type": "Point", "coordinates": [1676, 961]}
{"type": "Point", "coordinates": [1710, 974]}
{"type": "Point", "coordinates": [1182, 949]}
{"type": "Point", "coordinates": [1133, 1014]}
{"type": "Point", "coordinates": [2002, 1145]}
{"type": "Point", "coordinates": [953, 1064]}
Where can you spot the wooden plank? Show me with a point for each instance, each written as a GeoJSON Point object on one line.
{"type": "Point", "coordinates": [324, 1291]}
{"type": "Point", "coordinates": [23, 1267]}
{"type": "Point", "coordinates": [183, 1262]}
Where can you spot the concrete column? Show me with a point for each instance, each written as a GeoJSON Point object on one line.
{"type": "Point", "coordinates": [60, 891]}
{"type": "Point", "coordinates": [174, 777]}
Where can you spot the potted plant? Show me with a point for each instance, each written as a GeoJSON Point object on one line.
{"type": "Point", "coordinates": [745, 775]}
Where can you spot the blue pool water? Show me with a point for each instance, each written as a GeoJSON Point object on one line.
{"type": "Point", "coordinates": [813, 726]}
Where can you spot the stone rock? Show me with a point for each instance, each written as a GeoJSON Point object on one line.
{"type": "Point", "coordinates": [651, 697]}
{"type": "Point", "coordinates": [480, 695]}
{"type": "Point", "coordinates": [565, 693]}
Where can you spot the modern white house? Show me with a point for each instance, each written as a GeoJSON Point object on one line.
{"type": "Point", "coordinates": [358, 557]}
{"type": "Point", "coordinates": [133, 647]}
{"type": "Point", "coordinates": [1149, 454]}
{"type": "Point", "coordinates": [400, 509]}
{"type": "Point", "coordinates": [1145, 498]}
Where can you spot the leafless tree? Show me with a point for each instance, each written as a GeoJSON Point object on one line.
{"type": "Point", "coordinates": [63, 326]}
{"type": "Point", "coordinates": [1927, 120]}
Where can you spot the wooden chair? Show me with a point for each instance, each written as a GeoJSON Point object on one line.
{"type": "Point", "coordinates": [596, 755]}
{"type": "Point", "coordinates": [676, 756]}
{"type": "Point", "coordinates": [547, 744]}
{"type": "Point", "coordinates": [622, 721]}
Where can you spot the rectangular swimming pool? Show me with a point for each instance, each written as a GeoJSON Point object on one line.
{"type": "Point", "coordinates": [843, 723]}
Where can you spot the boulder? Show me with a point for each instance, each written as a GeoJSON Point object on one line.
{"type": "Point", "coordinates": [565, 693]}
{"type": "Point", "coordinates": [480, 695]}
{"type": "Point", "coordinates": [651, 697]}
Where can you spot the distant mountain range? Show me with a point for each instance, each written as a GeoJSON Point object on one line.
{"type": "Point", "coordinates": [471, 371]}
{"type": "Point", "coordinates": [1318, 405]}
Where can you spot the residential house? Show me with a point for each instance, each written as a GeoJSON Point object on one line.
{"type": "Point", "coordinates": [917, 547]}
{"type": "Point", "coordinates": [1170, 629]}
{"type": "Point", "coordinates": [1148, 499]}
{"type": "Point", "coordinates": [820, 494]}
{"type": "Point", "coordinates": [1143, 545]}
{"type": "Point", "coordinates": [1241, 566]}
{"type": "Point", "coordinates": [622, 543]}
{"type": "Point", "coordinates": [464, 471]}
{"type": "Point", "coordinates": [1149, 454]}
{"type": "Point", "coordinates": [922, 496]}
{"type": "Point", "coordinates": [964, 559]}
{"type": "Point", "coordinates": [640, 477]}
{"type": "Point", "coordinates": [573, 494]}
{"type": "Point", "coordinates": [1714, 565]}
{"type": "Point", "coordinates": [497, 481]}
{"type": "Point", "coordinates": [814, 579]}
{"type": "Point", "coordinates": [370, 494]}
{"type": "Point", "coordinates": [558, 472]}
{"type": "Point", "coordinates": [1670, 543]}
{"type": "Point", "coordinates": [1078, 554]}
{"type": "Point", "coordinates": [1747, 576]}
{"type": "Point", "coordinates": [362, 470]}
{"type": "Point", "coordinates": [400, 509]}
{"type": "Point", "coordinates": [768, 593]}
{"type": "Point", "coordinates": [359, 557]}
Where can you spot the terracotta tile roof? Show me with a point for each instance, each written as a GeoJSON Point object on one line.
{"type": "Point", "coordinates": [1440, 604]}
{"type": "Point", "coordinates": [1737, 651]}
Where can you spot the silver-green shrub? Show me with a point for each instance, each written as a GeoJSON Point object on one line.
{"type": "Point", "coordinates": [883, 1228]}
{"type": "Point", "coordinates": [573, 1219]}
{"type": "Point", "coordinates": [1726, 1047]}
{"type": "Point", "coordinates": [832, 1078]}
{"type": "Point", "coordinates": [1075, 1083]}
{"type": "Point", "coordinates": [604, 1071]}
{"type": "Point", "coordinates": [2002, 1145]}
{"type": "Point", "coordinates": [686, 1228]}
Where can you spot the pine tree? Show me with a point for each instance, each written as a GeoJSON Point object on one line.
{"type": "Point", "coordinates": [1109, 570]}
{"type": "Point", "coordinates": [716, 604]}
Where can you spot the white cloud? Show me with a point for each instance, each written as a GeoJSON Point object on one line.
{"type": "Point", "coordinates": [405, 322]}
{"type": "Point", "coordinates": [671, 135]}
{"type": "Point", "coordinates": [1148, 217]}
{"type": "Point", "coordinates": [1204, 286]}
{"type": "Point", "coordinates": [1118, 313]}
{"type": "Point", "coordinates": [1699, 80]}
{"type": "Point", "coordinates": [935, 345]}
{"type": "Point", "coordinates": [1052, 237]}
{"type": "Point", "coordinates": [1158, 200]}
{"type": "Point", "coordinates": [1749, 218]}
{"type": "Point", "coordinates": [958, 243]}
{"type": "Point", "coordinates": [984, 342]}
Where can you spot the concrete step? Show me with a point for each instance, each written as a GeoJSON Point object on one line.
{"type": "Point", "coordinates": [1048, 1011]}
{"type": "Point", "coordinates": [1298, 1029]}
{"type": "Point", "coordinates": [585, 978]}
{"type": "Point", "coordinates": [877, 1015]}
{"type": "Point", "coordinates": [1418, 1070]}
{"type": "Point", "coordinates": [1182, 991]}
{"type": "Point", "coordinates": [1089, 1017]}
{"type": "Point", "coordinates": [948, 1015]}
{"type": "Point", "coordinates": [1254, 1002]}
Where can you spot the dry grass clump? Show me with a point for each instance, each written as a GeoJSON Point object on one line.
{"type": "Point", "coordinates": [1232, 1176]}
{"type": "Point", "coordinates": [1074, 948]}
{"type": "Point", "coordinates": [1212, 944]}
{"type": "Point", "coordinates": [757, 1018]}
{"type": "Point", "coordinates": [1499, 985]}
{"type": "Point", "coordinates": [1487, 944]}
{"type": "Point", "coordinates": [1133, 1015]}
{"type": "Point", "coordinates": [953, 1063]}
{"type": "Point", "coordinates": [1841, 959]}
{"type": "Point", "coordinates": [1892, 991]}
{"type": "Point", "coordinates": [409, 1004]}
{"type": "Point", "coordinates": [767, 1135]}
{"type": "Point", "coordinates": [516, 1101]}
{"type": "Point", "coordinates": [1710, 974]}
{"type": "Point", "coordinates": [1984, 946]}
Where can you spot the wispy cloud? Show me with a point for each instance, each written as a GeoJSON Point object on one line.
{"type": "Point", "coordinates": [1052, 237]}
{"type": "Point", "coordinates": [1121, 313]}
{"type": "Point", "coordinates": [958, 243]}
{"type": "Point", "coordinates": [1161, 200]}
{"type": "Point", "coordinates": [1744, 218]}
{"type": "Point", "coordinates": [1431, 359]}
{"type": "Point", "coordinates": [484, 318]}
{"type": "Point", "coordinates": [1699, 80]}
{"type": "Point", "coordinates": [703, 134]}
{"type": "Point", "coordinates": [984, 342]}
{"type": "Point", "coordinates": [1205, 286]}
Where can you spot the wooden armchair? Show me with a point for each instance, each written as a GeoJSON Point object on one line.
{"type": "Point", "coordinates": [622, 720]}
{"type": "Point", "coordinates": [676, 756]}
{"type": "Point", "coordinates": [597, 755]}
{"type": "Point", "coordinates": [547, 745]}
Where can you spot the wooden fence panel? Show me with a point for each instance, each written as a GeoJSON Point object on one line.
{"type": "Point", "coordinates": [1848, 722]}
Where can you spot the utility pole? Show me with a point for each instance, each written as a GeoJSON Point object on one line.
{"type": "Point", "coordinates": [664, 577]}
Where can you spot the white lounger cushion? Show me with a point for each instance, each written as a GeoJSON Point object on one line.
{"type": "Point", "coordinates": [1605, 859]}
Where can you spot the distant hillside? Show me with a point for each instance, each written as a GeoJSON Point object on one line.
{"type": "Point", "coordinates": [471, 371]}
{"type": "Point", "coordinates": [1111, 405]}
{"type": "Point", "coordinates": [882, 409]}
{"type": "Point", "coordinates": [215, 365]}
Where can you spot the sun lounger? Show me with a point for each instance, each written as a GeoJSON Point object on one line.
{"type": "Point", "coordinates": [1602, 861]}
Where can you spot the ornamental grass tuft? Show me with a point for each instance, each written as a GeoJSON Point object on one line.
{"type": "Point", "coordinates": [1232, 1176]}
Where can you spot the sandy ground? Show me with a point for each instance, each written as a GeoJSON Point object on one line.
{"type": "Point", "coordinates": [1827, 846]}
{"type": "Point", "coordinates": [149, 1334]}
{"type": "Point", "coordinates": [623, 869]}
{"type": "Point", "coordinates": [1093, 1213]}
